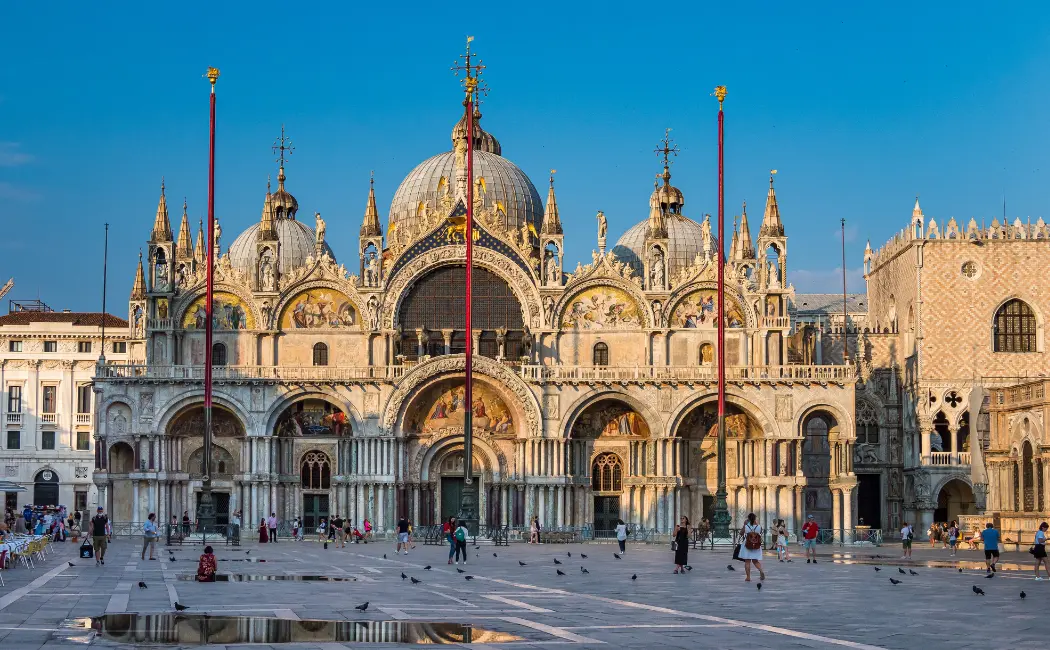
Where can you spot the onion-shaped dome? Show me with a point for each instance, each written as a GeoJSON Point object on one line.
{"type": "Point", "coordinates": [284, 204]}
{"type": "Point", "coordinates": [297, 242]}
{"type": "Point", "coordinates": [669, 197]}
{"type": "Point", "coordinates": [685, 241]}
{"type": "Point", "coordinates": [483, 140]}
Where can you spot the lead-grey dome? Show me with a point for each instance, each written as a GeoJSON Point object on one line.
{"type": "Point", "coordinates": [296, 239]}
{"type": "Point", "coordinates": [685, 241]}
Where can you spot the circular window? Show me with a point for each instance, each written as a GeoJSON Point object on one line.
{"type": "Point", "coordinates": [969, 269]}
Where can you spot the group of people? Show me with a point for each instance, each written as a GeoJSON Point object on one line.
{"type": "Point", "coordinates": [336, 530]}
{"type": "Point", "coordinates": [456, 535]}
{"type": "Point", "coordinates": [53, 521]}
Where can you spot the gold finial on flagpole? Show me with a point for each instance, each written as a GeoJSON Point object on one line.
{"type": "Point", "coordinates": [720, 95]}
{"type": "Point", "coordinates": [472, 84]}
{"type": "Point", "coordinates": [212, 74]}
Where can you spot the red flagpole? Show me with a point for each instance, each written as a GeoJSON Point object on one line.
{"type": "Point", "coordinates": [721, 518]}
{"type": "Point", "coordinates": [205, 511]}
{"type": "Point", "coordinates": [469, 393]}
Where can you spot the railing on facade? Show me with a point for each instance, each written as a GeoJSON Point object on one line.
{"type": "Point", "coordinates": [50, 419]}
{"type": "Point", "coordinates": [83, 418]}
{"type": "Point", "coordinates": [1027, 393]}
{"type": "Point", "coordinates": [698, 373]}
{"type": "Point", "coordinates": [221, 373]}
{"type": "Point", "coordinates": [228, 534]}
{"type": "Point", "coordinates": [776, 321]}
{"type": "Point", "coordinates": [14, 419]}
{"type": "Point", "coordinates": [948, 458]}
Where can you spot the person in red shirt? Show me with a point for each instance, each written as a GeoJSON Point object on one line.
{"type": "Point", "coordinates": [809, 539]}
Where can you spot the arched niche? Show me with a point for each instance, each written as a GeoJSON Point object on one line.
{"type": "Point", "coordinates": [223, 464]}
{"type": "Point", "coordinates": [699, 427]}
{"type": "Point", "coordinates": [190, 423]}
{"type": "Point", "coordinates": [609, 418]}
{"type": "Point", "coordinates": [311, 417]}
{"type": "Point", "coordinates": [699, 309]}
{"type": "Point", "coordinates": [822, 459]}
{"type": "Point", "coordinates": [229, 312]}
{"type": "Point", "coordinates": [45, 488]}
{"type": "Point", "coordinates": [121, 458]}
{"type": "Point", "coordinates": [320, 308]}
{"type": "Point", "coordinates": [118, 419]}
{"type": "Point", "coordinates": [440, 408]}
{"type": "Point", "coordinates": [602, 307]}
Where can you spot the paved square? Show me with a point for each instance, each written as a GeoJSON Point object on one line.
{"type": "Point", "coordinates": [842, 601]}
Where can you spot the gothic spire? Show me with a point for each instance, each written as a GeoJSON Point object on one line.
{"type": "Point", "coordinates": [771, 224]}
{"type": "Point", "coordinates": [370, 226]}
{"type": "Point", "coordinates": [734, 245]}
{"type": "Point", "coordinates": [551, 220]}
{"type": "Point", "coordinates": [268, 227]}
{"type": "Point", "coordinates": [747, 249]}
{"type": "Point", "coordinates": [200, 252]}
{"type": "Point", "coordinates": [184, 246]}
{"type": "Point", "coordinates": [138, 290]}
{"type": "Point", "coordinates": [657, 228]}
{"type": "Point", "coordinates": [161, 225]}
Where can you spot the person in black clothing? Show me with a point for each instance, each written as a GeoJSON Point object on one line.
{"type": "Point", "coordinates": [402, 536]}
{"type": "Point", "coordinates": [98, 536]}
{"type": "Point", "coordinates": [337, 525]}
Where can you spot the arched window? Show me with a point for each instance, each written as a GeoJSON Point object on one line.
{"type": "Point", "coordinates": [707, 354]}
{"type": "Point", "coordinates": [218, 354]}
{"type": "Point", "coordinates": [320, 354]}
{"type": "Point", "coordinates": [1028, 476]}
{"type": "Point", "coordinates": [607, 473]}
{"type": "Point", "coordinates": [315, 471]}
{"type": "Point", "coordinates": [1014, 328]}
{"type": "Point", "coordinates": [867, 424]}
{"type": "Point", "coordinates": [601, 354]}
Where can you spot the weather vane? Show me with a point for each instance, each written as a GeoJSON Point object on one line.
{"type": "Point", "coordinates": [667, 150]}
{"type": "Point", "coordinates": [472, 83]}
{"type": "Point", "coordinates": [282, 144]}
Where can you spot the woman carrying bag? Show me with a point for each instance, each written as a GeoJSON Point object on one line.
{"type": "Point", "coordinates": [750, 548]}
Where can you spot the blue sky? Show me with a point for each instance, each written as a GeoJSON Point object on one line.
{"type": "Point", "coordinates": [859, 110]}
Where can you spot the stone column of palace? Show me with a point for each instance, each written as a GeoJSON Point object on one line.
{"type": "Point", "coordinates": [798, 511]}
{"type": "Point", "coordinates": [847, 512]}
{"type": "Point", "coordinates": [925, 430]}
{"type": "Point", "coordinates": [836, 512]}
{"type": "Point", "coordinates": [530, 507]}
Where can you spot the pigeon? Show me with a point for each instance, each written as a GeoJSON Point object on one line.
{"type": "Point", "coordinates": [459, 570]}
{"type": "Point", "coordinates": [403, 576]}
{"type": "Point", "coordinates": [583, 570]}
{"type": "Point", "coordinates": [560, 572]}
{"type": "Point", "coordinates": [688, 568]}
{"type": "Point", "coordinates": [171, 559]}
{"type": "Point", "coordinates": [583, 555]}
{"type": "Point", "coordinates": [477, 548]}
{"type": "Point", "coordinates": [569, 554]}
{"type": "Point", "coordinates": [556, 561]}
{"type": "Point", "coordinates": [70, 564]}
{"type": "Point", "coordinates": [896, 582]}
{"type": "Point", "coordinates": [901, 571]}
{"type": "Point", "coordinates": [634, 576]}
{"type": "Point", "coordinates": [362, 607]}
{"type": "Point", "coordinates": [384, 556]}
{"type": "Point", "coordinates": [427, 568]}
{"type": "Point", "coordinates": [469, 577]}
{"type": "Point", "coordinates": [142, 585]}
{"type": "Point", "coordinates": [1023, 595]}
{"type": "Point", "coordinates": [914, 573]}
{"type": "Point", "coordinates": [617, 556]}
{"type": "Point", "coordinates": [181, 608]}
{"type": "Point", "coordinates": [520, 563]}
{"type": "Point", "coordinates": [990, 576]}
{"type": "Point", "coordinates": [494, 555]}
{"type": "Point", "coordinates": [416, 582]}
{"type": "Point", "coordinates": [878, 569]}
{"type": "Point", "coordinates": [248, 552]}
{"type": "Point", "coordinates": [960, 570]}
{"type": "Point", "coordinates": [730, 567]}
{"type": "Point", "coordinates": [759, 586]}
{"type": "Point", "coordinates": [977, 590]}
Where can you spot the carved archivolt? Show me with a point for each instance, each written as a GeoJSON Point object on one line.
{"type": "Point", "coordinates": [521, 284]}
{"type": "Point", "coordinates": [453, 441]}
{"type": "Point", "coordinates": [422, 373]}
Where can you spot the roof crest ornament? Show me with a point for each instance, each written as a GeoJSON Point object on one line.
{"type": "Point", "coordinates": [280, 146]}
{"type": "Point", "coordinates": [667, 151]}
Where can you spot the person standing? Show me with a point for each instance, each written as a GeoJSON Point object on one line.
{"type": "Point", "coordinates": [621, 536]}
{"type": "Point", "coordinates": [348, 529]}
{"type": "Point", "coordinates": [782, 542]}
{"type": "Point", "coordinates": [449, 529]}
{"type": "Point", "coordinates": [534, 530]}
{"type": "Point", "coordinates": [809, 538]}
{"type": "Point", "coordinates": [368, 529]}
{"type": "Point", "coordinates": [990, 538]}
{"type": "Point", "coordinates": [149, 536]}
{"type": "Point", "coordinates": [703, 531]}
{"type": "Point", "coordinates": [402, 535]}
{"type": "Point", "coordinates": [681, 545]}
{"type": "Point", "coordinates": [322, 530]}
{"type": "Point", "coordinates": [271, 523]}
{"type": "Point", "coordinates": [263, 536]}
{"type": "Point", "coordinates": [461, 542]}
{"type": "Point", "coordinates": [907, 536]}
{"type": "Point", "coordinates": [99, 541]}
{"type": "Point", "coordinates": [751, 547]}
{"type": "Point", "coordinates": [185, 522]}
{"type": "Point", "coordinates": [335, 528]}
{"type": "Point", "coordinates": [953, 537]}
{"type": "Point", "coordinates": [1039, 550]}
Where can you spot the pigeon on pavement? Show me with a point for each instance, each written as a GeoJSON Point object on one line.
{"type": "Point", "coordinates": [403, 576]}
{"type": "Point", "coordinates": [70, 564]}
{"type": "Point", "coordinates": [583, 555]}
{"type": "Point", "coordinates": [362, 607]}
{"type": "Point", "coordinates": [560, 572]}
{"type": "Point", "coordinates": [469, 577]}
{"type": "Point", "coordinates": [977, 590]}
{"type": "Point", "coordinates": [730, 567]}
{"type": "Point", "coordinates": [760, 586]}
{"type": "Point", "coordinates": [181, 608]}
{"type": "Point", "coordinates": [583, 570]}
{"type": "Point", "coordinates": [427, 568]}
{"type": "Point", "coordinates": [896, 582]}
{"type": "Point", "coordinates": [416, 582]}
{"type": "Point", "coordinates": [634, 576]}
{"type": "Point", "coordinates": [1023, 595]}
{"type": "Point", "coordinates": [901, 571]}
{"type": "Point", "coordinates": [878, 569]}
{"type": "Point", "coordinates": [459, 570]}
{"type": "Point", "coordinates": [914, 573]}
{"type": "Point", "coordinates": [142, 585]}
{"type": "Point", "coordinates": [520, 563]}
{"type": "Point", "coordinates": [617, 556]}
{"type": "Point", "coordinates": [556, 561]}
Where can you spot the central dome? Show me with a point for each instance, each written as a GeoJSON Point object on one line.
{"type": "Point", "coordinates": [297, 242]}
{"type": "Point", "coordinates": [685, 241]}
{"type": "Point", "coordinates": [504, 182]}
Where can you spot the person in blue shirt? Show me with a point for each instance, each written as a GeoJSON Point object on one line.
{"type": "Point", "coordinates": [39, 530]}
{"type": "Point", "coordinates": [990, 538]}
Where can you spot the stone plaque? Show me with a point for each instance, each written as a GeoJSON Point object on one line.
{"type": "Point", "coordinates": [257, 398]}
{"type": "Point", "coordinates": [784, 408]}
{"type": "Point", "coordinates": [371, 405]}
{"type": "Point", "coordinates": [551, 407]}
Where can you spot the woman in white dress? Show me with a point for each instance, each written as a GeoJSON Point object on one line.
{"type": "Point", "coordinates": [751, 547]}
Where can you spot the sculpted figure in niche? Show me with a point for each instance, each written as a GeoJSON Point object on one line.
{"type": "Point", "coordinates": [372, 270]}
{"type": "Point", "coordinates": [526, 343]}
{"type": "Point", "coordinates": [774, 276]}
{"type": "Point", "coordinates": [658, 310]}
{"type": "Point", "coordinates": [180, 276]}
{"type": "Point", "coordinates": [267, 280]}
{"type": "Point", "coordinates": [218, 235]}
{"type": "Point", "coordinates": [162, 274]}
{"type": "Point", "coordinates": [373, 312]}
{"type": "Point", "coordinates": [548, 311]}
{"type": "Point", "coordinates": [657, 271]}
{"type": "Point", "coordinates": [552, 268]}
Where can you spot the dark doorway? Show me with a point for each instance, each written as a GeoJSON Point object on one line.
{"type": "Point", "coordinates": [709, 507]}
{"type": "Point", "coordinates": [45, 489]}
{"type": "Point", "coordinates": [315, 506]}
{"type": "Point", "coordinates": [451, 494]}
{"type": "Point", "coordinates": [606, 513]}
{"type": "Point", "coordinates": [221, 501]}
{"type": "Point", "coordinates": [869, 499]}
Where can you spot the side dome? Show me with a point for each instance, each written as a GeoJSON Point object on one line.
{"type": "Point", "coordinates": [504, 182]}
{"type": "Point", "coordinates": [685, 240]}
{"type": "Point", "coordinates": [297, 242]}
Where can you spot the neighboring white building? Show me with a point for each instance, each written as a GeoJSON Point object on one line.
{"type": "Point", "coordinates": [47, 360]}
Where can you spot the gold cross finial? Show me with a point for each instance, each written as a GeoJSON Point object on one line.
{"type": "Point", "coordinates": [667, 150]}
{"type": "Point", "coordinates": [282, 144]}
{"type": "Point", "coordinates": [471, 72]}
{"type": "Point", "coordinates": [553, 172]}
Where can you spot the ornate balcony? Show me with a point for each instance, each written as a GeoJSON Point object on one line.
{"type": "Point", "coordinates": [948, 459]}
{"type": "Point", "coordinates": [49, 419]}
{"type": "Point", "coordinates": [687, 374]}
{"type": "Point", "coordinates": [83, 418]}
{"type": "Point", "coordinates": [14, 419]}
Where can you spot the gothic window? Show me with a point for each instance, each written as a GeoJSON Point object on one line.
{"type": "Point", "coordinates": [607, 473]}
{"type": "Point", "coordinates": [1028, 470]}
{"type": "Point", "coordinates": [316, 471]}
{"type": "Point", "coordinates": [320, 354]}
{"type": "Point", "coordinates": [218, 354]}
{"type": "Point", "coordinates": [867, 424]}
{"type": "Point", "coordinates": [601, 354]}
{"type": "Point", "coordinates": [1014, 328]}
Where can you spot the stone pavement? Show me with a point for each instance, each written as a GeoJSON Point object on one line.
{"type": "Point", "coordinates": [840, 602]}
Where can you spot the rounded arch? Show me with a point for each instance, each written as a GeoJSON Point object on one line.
{"type": "Point", "coordinates": [327, 394]}
{"type": "Point", "coordinates": [650, 419]}
{"type": "Point", "coordinates": [592, 301]}
{"type": "Point", "coordinates": [954, 498]}
{"type": "Point", "coordinates": [1016, 326]}
{"type": "Point", "coordinates": [429, 456]}
{"type": "Point", "coordinates": [312, 415]}
{"type": "Point", "coordinates": [121, 459]}
{"type": "Point", "coordinates": [755, 412]}
{"type": "Point", "coordinates": [223, 463]}
{"type": "Point", "coordinates": [45, 487]}
{"type": "Point", "coordinates": [340, 311]}
{"type": "Point", "coordinates": [844, 419]}
{"type": "Point", "coordinates": [685, 293]}
{"type": "Point", "coordinates": [167, 414]}
{"type": "Point", "coordinates": [184, 307]}
{"type": "Point", "coordinates": [520, 283]}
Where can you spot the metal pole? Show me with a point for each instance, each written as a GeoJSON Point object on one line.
{"type": "Point", "coordinates": [720, 521]}
{"type": "Point", "coordinates": [105, 262]}
{"type": "Point", "coordinates": [469, 498]}
{"type": "Point", "coordinates": [845, 321]}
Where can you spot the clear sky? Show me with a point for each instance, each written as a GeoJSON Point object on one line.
{"type": "Point", "coordinates": [859, 108]}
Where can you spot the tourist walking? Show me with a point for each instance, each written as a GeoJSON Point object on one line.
{"type": "Point", "coordinates": [271, 523]}
{"type": "Point", "coordinates": [990, 538]}
{"type": "Point", "coordinates": [348, 529]}
{"type": "Point", "coordinates": [149, 536]}
{"type": "Point", "coordinates": [99, 541]}
{"type": "Point", "coordinates": [322, 530]}
{"type": "Point", "coordinates": [681, 545]}
{"type": "Point", "coordinates": [953, 537]}
{"type": "Point", "coordinates": [907, 536]}
{"type": "Point", "coordinates": [295, 528]}
{"type": "Point", "coordinates": [449, 529]}
{"type": "Point", "coordinates": [809, 538]}
{"type": "Point", "coordinates": [461, 542]}
{"type": "Point", "coordinates": [1039, 550]}
{"type": "Point", "coordinates": [534, 530]}
{"type": "Point", "coordinates": [335, 528]}
{"type": "Point", "coordinates": [621, 535]}
{"type": "Point", "coordinates": [751, 547]}
{"type": "Point", "coordinates": [782, 542]}
{"type": "Point", "coordinates": [368, 529]}
{"type": "Point", "coordinates": [207, 566]}
{"type": "Point", "coordinates": [402, 535]}
{"type": "Point", "coordinates": [263, 536]}
{"type": "Point", "coordinates": [185, 522]}
{"type": "Point", "coordinates": [933, 532]}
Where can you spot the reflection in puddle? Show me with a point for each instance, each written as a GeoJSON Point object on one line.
{"type": "Point", "coordinates": [201, 629]}
{"type": "Point", "coordinates": [867, 560]}
{"type": "Point", "coordinates": [245, 577]}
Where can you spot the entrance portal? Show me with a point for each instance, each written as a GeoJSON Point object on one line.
{"type": "Point", "coordinates": [221, 501]}
{"type": "Point", "coordinates": [315, 506]}
{"type": "Point", "coordinates": [869, 500]}
{"type": "Point", "coordinates": [451, 494]}
{"type": "Point", "coordinates": [606, 513]}
{"type": "Point", "coordinates": [45, 490]}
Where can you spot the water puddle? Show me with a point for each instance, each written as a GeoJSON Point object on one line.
{"type": "Point", "coordinates": [877, 560]}
{"type": "Point", "coordinates": [245, 577]}
{"type": "Point", "coordinates": [202, 629]}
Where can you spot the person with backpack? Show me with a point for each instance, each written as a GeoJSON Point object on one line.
{"type": "Point", "coordinates": [953, 536]}
{"type": "Point", "coordinates": [907, 536]}
{"type": "Point", "coordinates": [461, 542]}
{"type": "Point", "coordinates": [751, 547]}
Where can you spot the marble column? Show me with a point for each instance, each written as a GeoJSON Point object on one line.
{"type": "Point", "coordinates": [836, 513]}
{"type": "Point", "coordinates": [847, 512]}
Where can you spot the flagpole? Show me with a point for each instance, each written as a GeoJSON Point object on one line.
{"type": "Point", "coordinates": [720, 520]}
{"type": "Point", "coordinates": [845, 317]}
{"type": "Point", "coordinates": [205, 507]}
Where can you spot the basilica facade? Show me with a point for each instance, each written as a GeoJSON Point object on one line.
{"type": "Point", "coordinates": [339, 366]}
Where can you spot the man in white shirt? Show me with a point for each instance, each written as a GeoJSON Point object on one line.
{"type": "Point", "coordinates": [271, 523]}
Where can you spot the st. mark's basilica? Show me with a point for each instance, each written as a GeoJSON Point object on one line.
{"type": "Point", "coordinates": [339, 372]}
